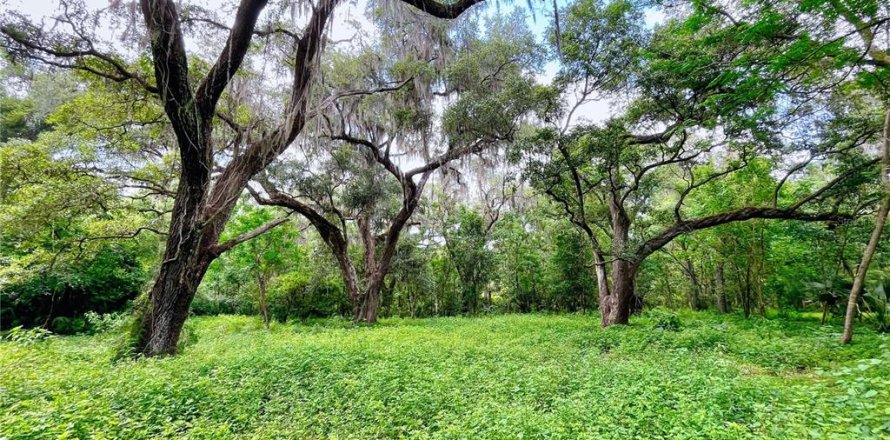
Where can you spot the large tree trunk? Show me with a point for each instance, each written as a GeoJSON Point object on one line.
{"type": "Point", "coordinates": [199, 215]}
{"type": "Point", "coordinates": [622, 295]}
{"type": "Point", "coordinates": [873, 241]}
{"type": "Point", "coordinates": [376, 267]}
{"type": "Point", "coordinates": [369, 301]}
{"type": "Point", "coordinates": [168, 303]}
{"type": "Point", "coordinates": [182, 269]}
{"type": "Point", "coordinates": [350, 277]}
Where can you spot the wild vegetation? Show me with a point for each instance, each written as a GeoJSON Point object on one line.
{"type": "Point", "coordinates": [373, 190]}
{"type": "Point", "coordinates": [532, 376]}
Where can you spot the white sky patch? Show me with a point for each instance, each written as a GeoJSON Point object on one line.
{"type": "Point", "coordinates": [349, 18]}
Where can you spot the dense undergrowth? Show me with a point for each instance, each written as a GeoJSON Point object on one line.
{"type": "Point", "coordinates": [513, 376]}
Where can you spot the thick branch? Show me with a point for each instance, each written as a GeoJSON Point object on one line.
{"type": "Point", "coordinates": [223, 247]}
{"type": "Point", "coordinates": [230, 58]}
{"type": "Point", "coordinates": [171, 74]}
{"type": "Point", "coordinates": [443, 159]}
{"type": "Point", "coordinates": [118, 73]}
{"type": "Point", "coordinates": [843, 176]}
{"type": "Point", "coordinates": [738, 215]}
{"type": "Point", "coordinates": [328, 231]}
{"type": "Point", "coordinates": [443, 10]}
{"type": "Point", "coordinates": [375, 152]}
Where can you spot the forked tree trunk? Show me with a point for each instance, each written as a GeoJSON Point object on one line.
{"type": "Point", "coordinates": [182, 269]}
{"type": "Point", "coordinates": [350, 277]}
{"type": "Point", "coordinates": [621, 298]}
{"type": "Point", "coordinates": [873, 241]}
{"type": "Point", "coordinates": [369, 301]}
{"type": "Point", "coordinates": [199, 214]}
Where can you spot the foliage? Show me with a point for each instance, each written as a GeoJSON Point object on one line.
{"type": "Point", "coordinates": [663, 320]}
{"type": "Point", "coordinates": [299, 295]}
{"type": "Point", "coordinates": [102, 283]}
{"type": "Point", "coordinates": [469, 252]}
{"type": "Point", "coordinates": [106, 322]}
{"type": "Point", "coordinates": [503, 376]}
{"type": "Point", "coordinates": [26, 336]}
{"type": "Point", "coordinates": [237, 281]}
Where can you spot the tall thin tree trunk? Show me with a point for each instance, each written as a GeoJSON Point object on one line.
{"type": "Point", "coordinates": [668, 289]}
{"type": "Point", "coordinates": [264, 303]}
{"type": "Point", "coordinates": [746, 292]}
{"type": "Point", "coordinates": [722, 300]}
{"type": "Point", "coordinates": [694, 285]}
{"type": "Point", "coordinates": [873, 241]}
{"type": "Point", "coordinates": [759, 258]}
{"type": "Point", "coordinates": [602, 281]}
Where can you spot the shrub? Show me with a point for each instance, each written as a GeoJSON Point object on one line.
{"type": "Point", "coordinates": [663, 319]}
{"type": "Point", "coordinates": [221, 305]}
{"type": "Point", "coordinates": [103, 283]}
{"type": "Point", "coordinates": [297, 295]}
{"type": "Point", "coordinates": [28, 336]}
{"type": "Point", "coordinates": [69, 326]}
{"type": "Point", "coordinates": [104, 322]}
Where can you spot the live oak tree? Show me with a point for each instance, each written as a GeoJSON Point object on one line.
{"type": "Point", "coordinates": [190, 88]}
{"type": "Point", "coordinates": [376, 146]}
{"type": "Point", "coordinates": [710, 93]}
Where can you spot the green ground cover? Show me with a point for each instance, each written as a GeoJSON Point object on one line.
{"type": "Point", "coordinates": [513, 376]}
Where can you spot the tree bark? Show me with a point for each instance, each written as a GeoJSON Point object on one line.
{"type": "Point", "coordinates": [873, 241]}
{"type": "Point", "coordinates": [722, 300]}
{"type": "Point", "coordinates": [199, 213]}
{"type": "Point", "coordinates": [619, 299]}
{"type": "Point", "coordinates": [264, 302]}
{"type": "Point", "coordinates": [622, 295]}
{"type": "Point", "coordinates": [369, 301]}
{"type": "Point", "coordinates": [169, 302]}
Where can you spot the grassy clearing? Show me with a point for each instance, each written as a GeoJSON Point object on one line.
{"type": "Point", "coordinates": [530, 376]}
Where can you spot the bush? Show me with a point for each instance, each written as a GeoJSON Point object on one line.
{"type": "Point", "coordinates": [101, 323]}
{"type": "Point", "coordinates": [103, 283]}
{"type": "Point", "coordinates": [221, 305]}
{"type": "Point", "coordinates": [663, 319]}
{"type": "Point", "coordinates": [28, 336]}
{"type": "Point", "coordinates": [69, 326]}
{"type": "Point", "coordinates": [297, 295]}
{"type": "Point", "coordinates": [510, 376]}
